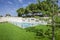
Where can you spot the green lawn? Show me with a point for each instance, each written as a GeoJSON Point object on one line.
{"type": "Point", "coordinates": [12, 32]}
{"type": "Point", "coordinates": [40, 29]}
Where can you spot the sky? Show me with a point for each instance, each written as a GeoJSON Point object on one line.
{"type": "Point", "coordinates": [10, 6]}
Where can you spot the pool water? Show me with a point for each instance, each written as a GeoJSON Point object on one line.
{"type": "Point", "coordinates": [24, 25]}
{"type": "Point", "coordinates": [28, 24]}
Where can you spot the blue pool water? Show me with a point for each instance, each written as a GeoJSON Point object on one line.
{"type": "Point", "coordinates": [27, 24]}
{"type": "Point", "coordinates": [24, 25]}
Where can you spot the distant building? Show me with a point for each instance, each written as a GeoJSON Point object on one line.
{"type": "Point", "coordinates": [8, 15]}
{"type": "Point", "coordinates": [32, 14]}
{"type": "Point", "coordinates": [23, 15]}
{"type": "Point", "coordinates": [38, 14]}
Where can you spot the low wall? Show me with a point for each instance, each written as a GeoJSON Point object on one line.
{"type": "Point", "coordinates": [9, 19]}
{"type": "Point", "coordinates": [20, 19]}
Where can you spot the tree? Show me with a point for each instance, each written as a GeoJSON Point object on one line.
{"type": "Point", "coordinates": [7, 14]}
{"type": "Point", "coordinates": [20, 11]}
{"type": "Point", "coordinates": [51, 7]}
{"type": "Point", "coordinates": [54, 10]}
{"type": "Point", "coordinates": [33, 7]}
{"type": "Point", "coordinates": [45, 7]}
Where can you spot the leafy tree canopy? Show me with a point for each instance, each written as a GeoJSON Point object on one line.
{"type": "Point", "coordinates": [46, 7]}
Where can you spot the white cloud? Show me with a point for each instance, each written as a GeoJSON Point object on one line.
{"type": "Point", "coordinates": [10, 2]}
{"type": "Point", "coordinates": [20, 1]}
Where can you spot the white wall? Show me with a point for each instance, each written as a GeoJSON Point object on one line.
{"type": "Point", "coordinates": [20, 19]}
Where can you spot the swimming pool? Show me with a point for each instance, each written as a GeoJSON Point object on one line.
{"type": "Point", "coordinates": [24, 25]}
{"type": "Point", "coordinates": [28, 24]}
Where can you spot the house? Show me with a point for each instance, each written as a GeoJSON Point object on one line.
{"type": "Point", "coordinates": [38, 14]}
{"type": "Point", "coordinates": [7, 15]}
{"type": "Point", "coordinates": [23, 15]}
{"type": "Point", "coordinates": [32, 14]}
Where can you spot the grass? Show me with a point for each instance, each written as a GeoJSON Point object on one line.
{"type": "Point", "coordinates": [12, 32]}
{"type": "Point", "coordinates": [43, 27]}
{"type": "Point", "coordinates": [40, 29]}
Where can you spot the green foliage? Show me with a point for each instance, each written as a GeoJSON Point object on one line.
{"type": "Point", "coordinates": [40, 31]}
{"type": "Point", "coordinates": [46, 7]}
{"type": "Point", "coordinates": [57, 21]}
{"type": "Point", "coordinates": [20, 11]}
{"type": "Point", "coordinates": [43, 32]}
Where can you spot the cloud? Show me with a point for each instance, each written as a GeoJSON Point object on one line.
{"type": "Point", "coordinates": [20, 1]}
{"type": "Point", "coordinates": [10, 2]}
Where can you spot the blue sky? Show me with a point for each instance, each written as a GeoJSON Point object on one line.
{"type": "Point", "coordinates": [10, 6]}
